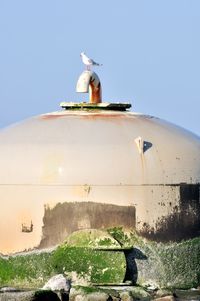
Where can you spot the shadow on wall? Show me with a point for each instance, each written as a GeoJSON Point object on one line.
{"type": "Point", "coordinates": [131, 266]}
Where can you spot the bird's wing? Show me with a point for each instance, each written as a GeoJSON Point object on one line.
{"type": "Point", "coordinates": [90, 61]}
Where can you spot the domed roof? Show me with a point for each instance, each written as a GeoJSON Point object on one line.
{"type": "Point", "coordinates": [98, 148]}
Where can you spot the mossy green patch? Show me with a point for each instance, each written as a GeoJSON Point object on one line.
{"type": "Point", "coordinates": [94, 265]}
{"type": "Point", "coordinates": [138, 293]}
{"type": "Point", "coordinates": [25, 271]}
{"type": "Point", "coordinates": [171, 265]}
{"type": "Point", "coordinates": [92, 238]}
{"type": "Point", "coordinates": [124, 239]}
{"type": "Point", "coordinates": [167, 264]}
{"type": "Point", "coordinates": [33, 270]}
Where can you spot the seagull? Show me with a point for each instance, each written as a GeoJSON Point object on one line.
{"type": "Point", "coordinates": [87, 61]}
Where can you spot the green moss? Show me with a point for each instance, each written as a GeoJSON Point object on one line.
{"type": "Point", "coordinates": [29, 270]}
{"type": "Point", "coordinates": [95, 266]}
{"type": "Point", "coordinates": [92, 238]}
{"type": "Point", "coordinates": [167, 265]}
{"type": "Point", "coordinates": [139, 293]}
{"type": "Point", "coordinates": [172, 265]}
{"type": "Point", "coordinates": [120, 236]}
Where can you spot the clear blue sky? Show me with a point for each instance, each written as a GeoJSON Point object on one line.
{"type": "Point", "coordinates": [150, 52]}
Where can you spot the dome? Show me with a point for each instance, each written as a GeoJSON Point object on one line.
{"type": "Point", "coordinates": [96, 169]}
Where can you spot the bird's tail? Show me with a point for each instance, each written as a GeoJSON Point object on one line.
{"type": "Point", "coordinates": [97, 64]}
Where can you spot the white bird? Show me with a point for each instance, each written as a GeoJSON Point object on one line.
{"type": "Point", "coordinates": [88, 62]}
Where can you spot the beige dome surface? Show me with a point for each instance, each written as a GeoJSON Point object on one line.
{"type": "Point", "coordinates": [97, 148]}
{"type": "Point", "coordinates": [80, 169]}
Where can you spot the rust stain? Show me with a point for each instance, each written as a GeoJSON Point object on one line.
{"type": "Point", "coordinates": [83, 114]}
{"type": "Point", "coordinates": [51, 116]}
{"type": "Point", "coordinates": [95, 92]}
{"type": "Point", "coordinates": [102, 115]}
